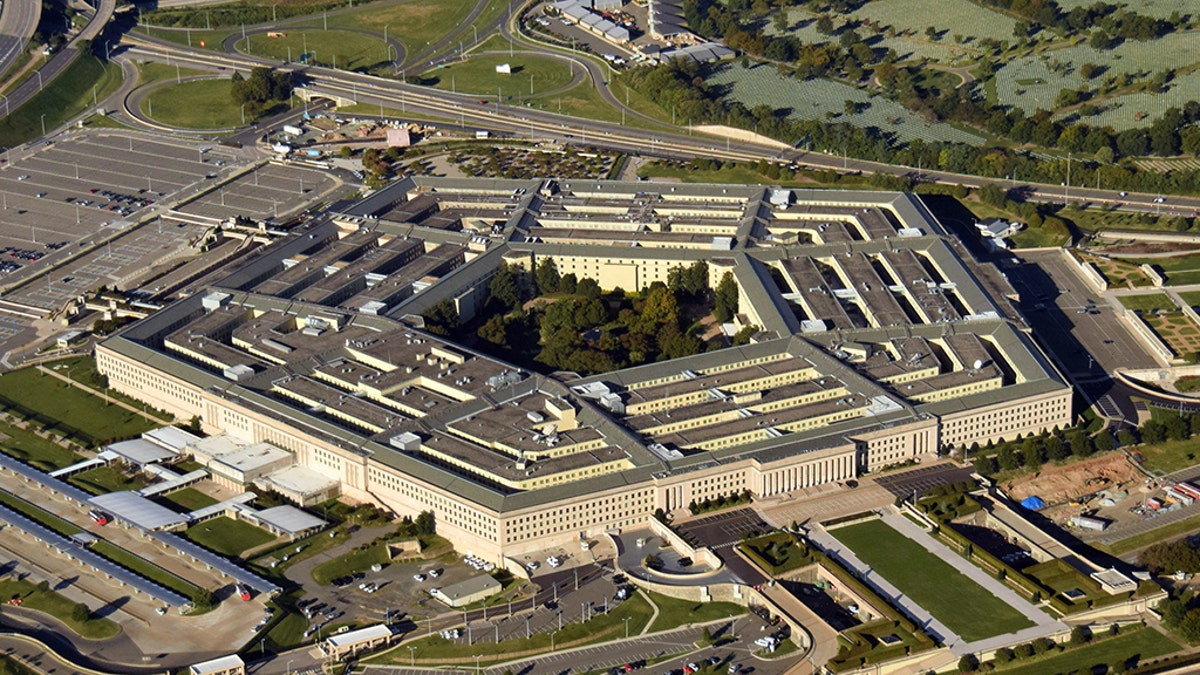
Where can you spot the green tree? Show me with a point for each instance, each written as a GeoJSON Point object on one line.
{"type": "Point", "coordinates": [80, 613]}
{"type": "Point", "coordinates": [661, 308]}
{"type": "Point", "coordinates": [546, 277]}
{"type": "Point", "coordinates": [202, 598]}
{"type": "Point", "coordinates": [426, 525]}
{"type": "Point", "coordinates": [503, 290]}
{"type": "Point", "coordinates": [442, 318]}
{"type": "Point", "coordinates": [569, 283]}
{"type": "Point", "coordinates": [968, 663]}
{"type": "Point", "coordinates": [1080, 635]}
{"type": "Point", "coordinates": [1007, 459]}
{"type": "Point", "coordinates": [726, 305]}
{"type": "Point", "coordinates": [588, 288]}
{"type": "Point", "coordinates": [493, 330]}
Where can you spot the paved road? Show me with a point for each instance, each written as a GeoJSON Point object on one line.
{"type": "Point", "coordinates": [57, 63]}
{"type": "Point", "coordinates": [18, 21]}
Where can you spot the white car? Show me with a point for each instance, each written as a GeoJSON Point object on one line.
{"type": "Point", "coordinates": [435, 573]}
{"type": "Point", "coordinates": [553, 561]}
{"type": "Point", "coordinates": [418, 578]}
{"type": "Point", "coordinates": [532, 565]}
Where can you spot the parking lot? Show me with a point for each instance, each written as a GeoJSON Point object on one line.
{"type": "Point", "coordinates": [265, 192]}
{"type": "Point", "coordinates": [1090, 339]}
{"type": "Point", "coordinates": [723, 529]}
{"type": "Point", "coordinates": [921, 480]}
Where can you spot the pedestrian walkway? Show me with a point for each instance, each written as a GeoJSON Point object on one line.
{"type": "Point", "coordinates": [1044, 623]}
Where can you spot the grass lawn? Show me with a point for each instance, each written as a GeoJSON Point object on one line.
{"type": "Point", "coordinates": [1147, 302]}
{"type": "Point", "coordinates": [95, 628]}
{"type": "Point", "coordinates": [228, 536]}
{"type": "Point", "coordinates": [105, 479]}
{"type": "Point", "coordinates": [414, 24]}
{"type": "Point", "coordinates": [673, 612]}
{"type": "Point", "coordinates": [348, 50]}
{"type": "Point", "coordinates": [39, 515]}
{"type": "Point", "coordinates": [70, 409]}
{"type": "Point", "coordinates": [35, 450]}
{"type": "Point", "coordinates": [66, 96]}
{"type": "Point", "coordinates": [153, 71]}
{"type": "Point", "coordinates": [1192, 298]}
{"type": "Point", "coordinates": [1038, 237]}
{"type": "Point", "coordinates": [1137, 646]}
{"type": "Point", "coordinates": [1171, 456]}
{"type": "Point", "coordinates": [190, 499]}
{"type": "Point", "coordinates": [962, 605]}
{"type": "Point", "coordinates": [288, 632]}
{"type": "Point", "coordinates": [582, 100]}
{"type": "Point", "coordinates": [352, 562]}
{"type": "Point", "coordinates": [1062, 578]}
{"type": "Point", "coordinates": [82, 369]}
{"type": "Point", "coordinates": [143, 567]}
{"type": "Point", "coordinates": [477, 75]}
{"type": "Point", "coordinates": [779, 551]}
{"type": "Point", "coordinates": [196, 104]}
{"type": "Point", "coordinates": [436, 649]}
{"type": "Point", "coordinates": [212, 39]}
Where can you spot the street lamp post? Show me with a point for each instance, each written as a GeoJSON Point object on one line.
{"type": "Point", "coordinates": [412, 655]}
{"type": "Point", "coordinates": [626, 619]}
{"type": "Point", "coordinates": [43, 124]}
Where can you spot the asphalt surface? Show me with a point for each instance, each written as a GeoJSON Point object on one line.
{"type": "Point", "coordinates": [59, 61]}
{"type": "Point", "coordinates": [18, 21]}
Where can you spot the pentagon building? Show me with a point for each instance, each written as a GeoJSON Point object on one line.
{"type": "Point", "coordinates": [877, 343]}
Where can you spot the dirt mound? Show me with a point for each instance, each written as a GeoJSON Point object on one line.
{"type": "Point", "coordinates": [1058, 484]}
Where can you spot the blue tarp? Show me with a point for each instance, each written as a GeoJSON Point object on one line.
{"type": "Point", "coordinates": [1033, 503]}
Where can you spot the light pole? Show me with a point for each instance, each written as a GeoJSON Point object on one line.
{"type": "Point", "coordinates": [289, 667]}
{"type": "Point", "coordinates": [43, 124]}
{"type": "Point", "coordinates": [477, 662]}
{"type": "Point", "coordinates": [412, 655]}
{"type": "Point", "coordinates": [626, 620]}
{"type": "Point", "coordinates": [552, 634]}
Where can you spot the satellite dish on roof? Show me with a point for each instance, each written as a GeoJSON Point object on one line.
{"type": "Point", "coordinates": [977, 365]}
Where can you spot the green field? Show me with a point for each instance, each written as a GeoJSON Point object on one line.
{"type": "Point", "coordinates": [39, 515]}
{"type": "Point", "coordinates": [152, 71]}
{"type": "Point", "coordinates": [350, 563]}
{"type": "Point", "coordinates": [35, 450]}
{"type": "Point", "coordinates": [94, 628]}
{"type": "Point", "coordinates": [104, 479]}
{"type": "Point", "coordinates": [414, 24]}
{"type": "Point", "coordinates": [1179, 270]}
{"type": "Point", "coordinates": [143, 567]}
{"type": "Point", "coordinates": [1039, 237]}
{"type": "Point", "coordinates": [74, 411]}
{"type": "Point", "coordinates": [1147, 302]}
{"type": "Point", "coordinates": [673, 612]}
{"type": "Point", "coordinates": [194, 104]}
{"type": "Point", "coordinates": [347, 50]}
{"type": "Point", "coordinates": [228, 536]}
{"type": "Point", "coordinates": [190, 499]}
{"type": "Point", "coordinates": [66, 96]}
{"type": "Point", "coordinates": [1136, 646]}
{"type": "Point", "coordinates": [477, 75]}
{"type": "Point", "coordinates": [962, 605]}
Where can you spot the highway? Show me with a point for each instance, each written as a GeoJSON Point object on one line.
{"type": "Point", "coordinates": [467, 112]}
{"type": "Point", "coordinates": [59, 61]}
{"type": "Point", "coordinates": [18, 21]}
